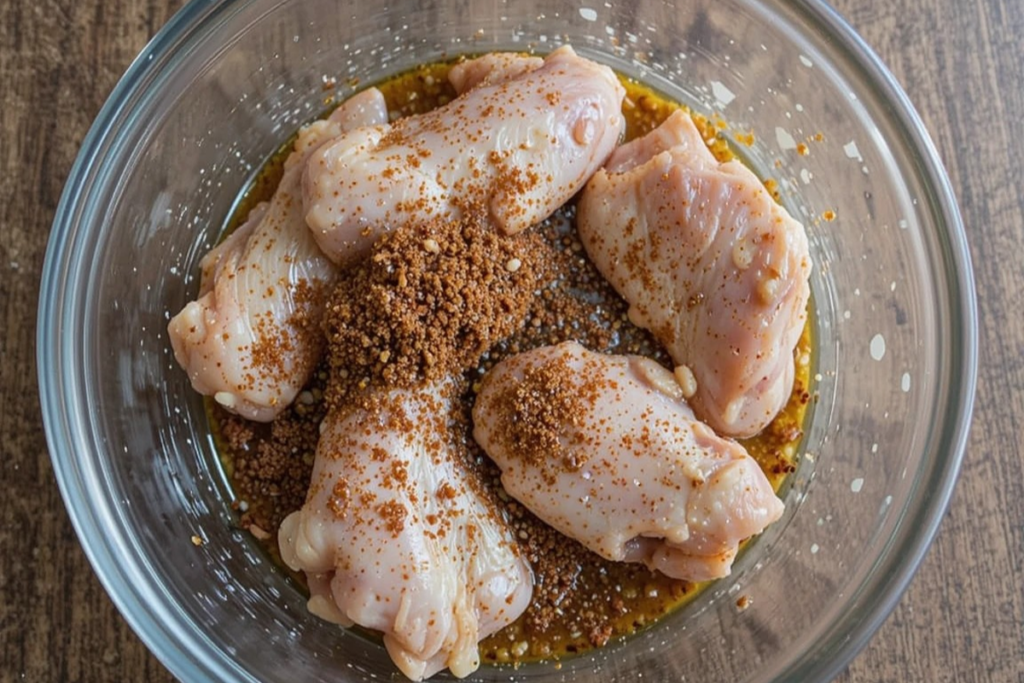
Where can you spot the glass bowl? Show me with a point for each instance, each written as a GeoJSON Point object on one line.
{"type": "Point", "coordinates": [220, 88]}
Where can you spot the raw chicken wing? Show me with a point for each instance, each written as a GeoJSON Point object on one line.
{"type": "Point", "coordinates": [709, 263]}
{"type": "Point", "coordinates": [252, 338]}
{"type": "Point", "coordinates": [605, 450]}
{"type": "Point", "coordinates": [515, 150]}
{"type": "Point", "coordinates": [397, 536]}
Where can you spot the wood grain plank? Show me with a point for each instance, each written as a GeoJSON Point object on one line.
{"type": "Point", "coordinates": [58, 62]}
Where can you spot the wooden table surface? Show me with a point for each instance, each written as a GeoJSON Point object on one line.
{"type": "Point", "coordinates": [962, 64]}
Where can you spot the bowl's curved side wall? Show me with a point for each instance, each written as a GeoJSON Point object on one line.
{"type": "Point", "coordinates": [218, 91]}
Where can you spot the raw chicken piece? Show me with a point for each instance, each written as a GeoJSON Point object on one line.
{"type": "Point", "coordinates": [252, 338]}
{"type": "Point", "coordinates": [516, 150]}
{"type": "Point", "coordinates": [708, 262]}
{"type": "Point", "coordinates": [491, 69]}
{"type": "Point", "coordinates": [605, 450]}
{"type": "Point", "coordinates": [397, 536]}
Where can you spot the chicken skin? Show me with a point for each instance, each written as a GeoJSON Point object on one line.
{"type": "Point", "coordinates": [709, 263]}
{"type": "Point", "coordinates": [396, 535]}
{"type": "Point", "coordinates": [605, 450]}
{"type": "Point", "coordinates": [514, 149]}
{"type": "Point", "coordinates": [251, 338]}
{"type": "Point", "coordinates": [492, 68]}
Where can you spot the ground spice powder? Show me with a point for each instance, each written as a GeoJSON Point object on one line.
{"type": "Point", "coordinates": [429, 300]}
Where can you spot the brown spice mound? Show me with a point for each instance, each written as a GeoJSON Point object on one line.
{"type": "Point", "coordinates": [429, 300]}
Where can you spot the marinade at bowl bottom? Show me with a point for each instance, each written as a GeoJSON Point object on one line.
{"type": "Point", "coordinates": [580, 600]}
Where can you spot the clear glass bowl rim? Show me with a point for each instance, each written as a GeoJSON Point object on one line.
{"type": "Point", "coordinates": [156, 627]}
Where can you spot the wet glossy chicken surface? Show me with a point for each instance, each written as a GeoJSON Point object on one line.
{"type": "Point", "coordinates": [605, 449]}
{"type": "Point", "coordinates": [515, 147]}
{"type": "Point", "coordinates": [710, 263]}
{"type": "Point", "coordinates": [397, 536]}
